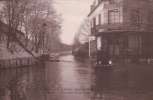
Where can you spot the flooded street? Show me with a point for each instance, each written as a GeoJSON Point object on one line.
{"type": "Point", "coordinates": [76, 50]}
{"type": "Point", "coordinates": [72, 79]}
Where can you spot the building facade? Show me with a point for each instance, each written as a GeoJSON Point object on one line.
{"type": "Point", "coordinates": [123, 28]}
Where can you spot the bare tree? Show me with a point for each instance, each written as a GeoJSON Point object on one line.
{"type": "Point", "coordinates": [32, 17]}
{"type": "Point", "coordinates": [82, 34]}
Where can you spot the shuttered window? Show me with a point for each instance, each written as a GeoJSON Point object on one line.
{"type": "Point", "coordinates": [114, 16]}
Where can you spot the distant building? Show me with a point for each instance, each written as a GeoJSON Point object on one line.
{"type": "Point", "coordinates": [123, 28]}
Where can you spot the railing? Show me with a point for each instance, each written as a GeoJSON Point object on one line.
{"type": "Point", "coordinates": [17, 62]}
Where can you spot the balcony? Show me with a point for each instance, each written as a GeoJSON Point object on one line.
{"type": "Point", "coordinates": [107, 27]}
{"type": "Point", "coordinates": [119, 28]}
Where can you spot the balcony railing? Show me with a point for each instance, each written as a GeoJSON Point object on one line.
{"type": "Point", "coordinates": [120, 27]}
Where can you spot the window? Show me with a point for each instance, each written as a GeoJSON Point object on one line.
{"type": "Point", "coordinates": [94, 22]}
{"type": "Point", "coordinates": [91, 23]}
{"type": "Point", "coordinates": [135, 17]}
{"type": "Point", "coordinates": [150, 18]}
{"type": "Point", "coordinates": [99, 19]}
{"type": "Point", "coordinates": [114, 16]}
{"type": "Point", "coordinates": [105, 17]}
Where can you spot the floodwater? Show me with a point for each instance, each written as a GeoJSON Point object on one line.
{"type": "Point", "coordinates": [72, 79]}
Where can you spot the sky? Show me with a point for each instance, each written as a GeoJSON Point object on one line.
{"type": "Point", "coordinates": [72, 12]}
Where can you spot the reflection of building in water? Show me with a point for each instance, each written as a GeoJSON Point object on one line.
{"type": "Point", "coordinates": [124, 27]}
{"type": "Point", "coordinates": [23, 84]}
{"type": "Point", "coordinates": [101, 83]}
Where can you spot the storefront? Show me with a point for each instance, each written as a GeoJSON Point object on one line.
{"type": "Point", "coordinates": [122, 45]}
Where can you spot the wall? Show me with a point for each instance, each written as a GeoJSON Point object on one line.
{"type": "Point", "coordinates": [102, 10]}
{"type": "Point", "coordinates": [126, 8]}
{"type": "Point", "coordinates": [143, 6]}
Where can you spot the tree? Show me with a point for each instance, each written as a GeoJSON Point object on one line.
{"type": "Point", "coordinates": [34, 18]}
{"type": "Point", "coordinates": [81, 38]}
{"type": "Point", "coordinates": [82, 35]}
{"type": "Point", "coordinates": [83, 32]}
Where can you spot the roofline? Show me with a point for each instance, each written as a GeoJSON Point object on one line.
{"type": "Point", "coordinates": [94, 8]}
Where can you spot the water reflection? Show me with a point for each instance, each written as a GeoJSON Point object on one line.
{"type": "Point", "coordinates": [124, 82]}
{"type": "Point", "coordinates": [73, 79]}
{"type": "Point", "coordinates": [76, 80]}
{"type": "Point", "coordinates": [26, 83]}
{"type": "Point", "coordinates": [105, 82]}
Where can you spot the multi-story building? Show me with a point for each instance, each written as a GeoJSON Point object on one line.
{"type": "Point", "coordinates": [123, 28]}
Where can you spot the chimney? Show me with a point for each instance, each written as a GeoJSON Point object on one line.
{"type": "Point", "coordinates": [92, 7]}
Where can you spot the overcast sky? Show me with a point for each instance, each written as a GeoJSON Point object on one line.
{"type": "Point", "coordinates": [73, 12]}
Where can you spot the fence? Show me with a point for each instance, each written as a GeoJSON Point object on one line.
{"type": "Point", "coordinates": [17, 62]}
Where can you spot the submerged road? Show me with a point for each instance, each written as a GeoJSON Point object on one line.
{"type": "Point", "coordinates": [72, 79]}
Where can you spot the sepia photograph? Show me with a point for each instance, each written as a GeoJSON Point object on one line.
{"type": "Point", "coordinates": [76, 49]}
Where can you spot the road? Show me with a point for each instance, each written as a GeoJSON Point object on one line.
{"type": "Point", "coordinates": [72, 79]}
